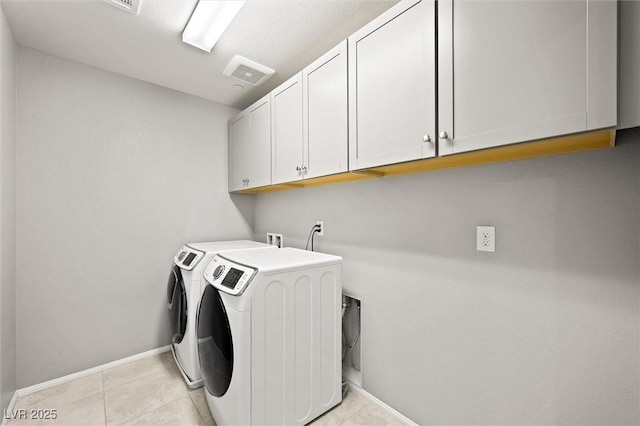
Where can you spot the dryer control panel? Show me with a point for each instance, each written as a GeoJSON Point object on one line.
{"type": "Point", "coordinates": [228, 276]}
{"type": "Point", "coordinates": [187, 258]}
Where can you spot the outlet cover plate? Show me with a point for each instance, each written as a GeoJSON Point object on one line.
{"type": "Point", "coordinates": [275, 239]}
{"type": "Point", "coordinates": [486, 238]}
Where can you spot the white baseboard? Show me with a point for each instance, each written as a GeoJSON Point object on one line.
{"type": "Point", "coordinates": [100, 368]}
{"type": "Point", "coordinates": [401, 418]}
{"type": "Point", "coordinates": [12, 404]}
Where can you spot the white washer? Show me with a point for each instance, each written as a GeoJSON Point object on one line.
{"type": "Point", "coordinates": [269, 336]}
{"type": "Point", "coordinates": [183, 295]}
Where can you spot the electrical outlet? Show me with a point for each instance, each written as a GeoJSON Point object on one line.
{"type": "Point", "coordinates": [320, 223]}
{"type": "Point", "coordinates": [275, 239]}
{"type": "Point", "coordinates": [486, 238]}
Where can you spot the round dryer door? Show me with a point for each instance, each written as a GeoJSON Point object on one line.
{"type": "Point", "coordinates": [177, 304]}
{"type": "Point", "coordinates": [215, 347]}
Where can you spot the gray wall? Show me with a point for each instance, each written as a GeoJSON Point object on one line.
{"type": "Point", "coordinates": [628, 64]}
{"type": "Point", "coordinates": [543, 331]}
{"type": "Point", "coordinates": [7, 213]}
{"type": "Point", "coordinates": [113, 175]}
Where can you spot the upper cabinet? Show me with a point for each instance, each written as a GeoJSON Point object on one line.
{"type": "Point", "coordinates": [392, 99]}
{"type": "Point", "coordinates": [429, 79]}
{"type": "Point", "coordinates": [250, 147]}
{"type": "Point", "coordinates": [514, 71]}
{"type": "Point", "coordinates": [325, 114]}
{"type": "Point", "coordinates": [309, 117]}
{"type": "Point", "coordinates": [286, 131]}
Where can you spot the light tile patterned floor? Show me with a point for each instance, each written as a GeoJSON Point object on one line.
{"type": "Point", "coordinates": [152, 392]}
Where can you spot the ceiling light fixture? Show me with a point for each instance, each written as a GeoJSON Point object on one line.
{"type": "Point", "coordinates": [209, 20]}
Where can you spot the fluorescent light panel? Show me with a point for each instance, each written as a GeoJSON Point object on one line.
{"type": "Point", "coordinates": [209, 20]}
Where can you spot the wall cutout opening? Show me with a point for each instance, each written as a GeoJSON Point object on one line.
{"type": "Point", "coordinates": [351, 339]}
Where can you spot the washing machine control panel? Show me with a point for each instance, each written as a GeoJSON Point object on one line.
{"type": "Point", "coordinates": [228, 276]}
{"type": "Point", "coordinates": [187, 258]}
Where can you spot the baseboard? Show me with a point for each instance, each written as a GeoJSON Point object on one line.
{"type": "Point", "coordinates": [100, 368]}
{"type": "Point", "coordinates": [12, 404]}
{"type": "Point", "coordinates": [399, 416]}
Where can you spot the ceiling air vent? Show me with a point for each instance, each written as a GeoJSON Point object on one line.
{"type": "Point", "coordinates": [248, 71]}
{"type": "Point", "coordinates": [131, 6]}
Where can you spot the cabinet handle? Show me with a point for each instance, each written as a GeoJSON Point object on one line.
{"type": "Point", "coordinates": [298, 169]}
{"type": "Point", "coordinates": [444, 135]}
{"type": "Point", "coordinates": [426, 138]}
{"type": "Point", "coordinates": [304, 169]}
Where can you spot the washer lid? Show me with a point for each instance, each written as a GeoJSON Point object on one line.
{"type": "Point", "coordinates": [282, 260]}
{"type": "Point", "coordinates": [227, 276]}
{"type": "Point", "coordinates": [220, 246]}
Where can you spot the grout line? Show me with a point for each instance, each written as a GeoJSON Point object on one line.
{"type": "Point", "coordinates": [129, 420]}
{"type": "Point", "coordinates": [130, 378]}
{"type": "Point", "coordinates": [157, 373]}
{"type": "Point", "coordinates": [197, 409]}
{"type": "Point", "coordinates": [70, 377]}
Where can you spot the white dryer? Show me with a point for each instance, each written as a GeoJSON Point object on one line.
{"type": "Point", "coordinates": [183, 295]}
{"type": "Point", "coordinates": [269, 336]}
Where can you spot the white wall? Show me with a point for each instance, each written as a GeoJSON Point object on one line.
{"type": "Point", "coordinates": [544, 331]}
{"type": "Point", "coordinates": [7, 213]}
{"type": "Point", "coordinates": [113, 175]}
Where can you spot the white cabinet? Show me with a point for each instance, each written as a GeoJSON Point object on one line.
{"type": "Point", "coordinates": [629, 63]}
{"type": "Point", "coordinates": [250, 147]}
{"type": "Point", "coordinates": [507, 72]}
{"type": "Point", "coordinates": [514, 71]}
{"type": "Point", "coordinates": [309, 120]}
{"type": "Point", "coordinates": [325, 147]}
{"type": "Point", "coordinates": [392, 96]}
{"type": "Point", "coordinates": [286, 139]}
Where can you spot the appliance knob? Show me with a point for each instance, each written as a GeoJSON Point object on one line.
{"type": "Point", "coordinates": [218, 271]}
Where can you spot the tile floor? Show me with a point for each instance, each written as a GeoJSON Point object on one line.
{"type": "Point", "coordinates": [151, 392]}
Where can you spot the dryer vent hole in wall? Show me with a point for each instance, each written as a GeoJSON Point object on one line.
{"type": "Point", "coordinates": [275, 239]}
{"type": "Point", "coordinates": [351, 338]}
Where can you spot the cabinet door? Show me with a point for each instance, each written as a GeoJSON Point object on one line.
{"type": "Point", "coordinates": [629, 87]}
{"type": "Point", "coordinates": [392, 87]}
{"type": "Point", "coordinates": [325, 94]}
{"type": "Point", "coordinates": [286, 140]}
{"type": "Point", "coordinates": [513, 71]}
{"type": "Point", "coordinates": [260, 144]}
{"type": "Point", "coordinates": [239, 165]}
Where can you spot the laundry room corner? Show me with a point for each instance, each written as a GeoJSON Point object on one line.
{"type": "Point", "coordinates": [8, 50]}
{"type": "Point", "coordinates": [114, 177]}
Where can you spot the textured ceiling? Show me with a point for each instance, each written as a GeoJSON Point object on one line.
{"type": "Point", "coordinates": [283, 35]}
